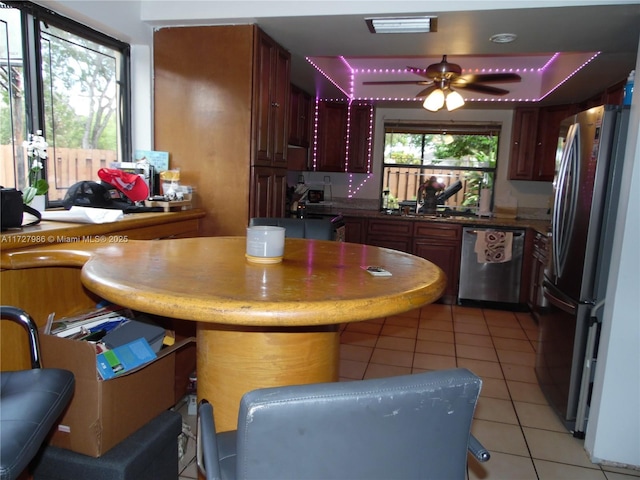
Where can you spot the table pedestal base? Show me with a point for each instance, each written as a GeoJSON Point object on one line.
{"type": "Point", "coordinates": [234, 360]}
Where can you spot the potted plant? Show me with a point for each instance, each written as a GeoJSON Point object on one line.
{"type": "Point", "coordinates": [36, 147]}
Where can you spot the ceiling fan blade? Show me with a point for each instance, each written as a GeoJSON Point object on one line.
{"type": "Point", "coordinates": [488, 78]}
{"type": "Point", "coordinates": [476, 87]}
{"type": "Point", "coordinates": [399, 82]}
{"type": "Point", "coordinates": [426, 91]}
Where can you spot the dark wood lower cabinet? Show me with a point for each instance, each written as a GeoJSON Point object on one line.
{"type": "Point", "coordinates": [395, 234]}
{"type": "Point", "coordinates": [269, 186]}
{"type": "Point", "coordinates": [355, 229]}
{"type": "Point", "coordinates": [436, 242]}
{"type": "Point", "coordinates": [440, 244]}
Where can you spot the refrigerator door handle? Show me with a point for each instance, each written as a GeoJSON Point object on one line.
{"type": "Point", "coordinates": [558, 302]}
{"type": "Point", "coordinates": [566, 198]}
{"type": "Point", "coordinates": [594, 310]}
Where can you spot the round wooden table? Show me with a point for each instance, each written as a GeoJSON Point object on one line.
{"type": "Point", "coordinates": [258, 325]}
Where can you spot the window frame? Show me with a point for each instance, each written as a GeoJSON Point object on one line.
{"type": "Point", "coordinates": [439, 128]}
{"type": "Point", "coordinates": [35, 117]}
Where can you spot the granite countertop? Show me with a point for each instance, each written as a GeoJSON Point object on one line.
{"type": "Point", "coordinates": [538, 225]}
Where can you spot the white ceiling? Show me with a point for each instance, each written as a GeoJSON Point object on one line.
{"type": "Point", "coordinates": [330, 29]}
{"type": "Point", "coordinates": [608, 32]}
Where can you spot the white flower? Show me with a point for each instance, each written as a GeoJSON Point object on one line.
{"type": "Point", "coordinates": [36, 145]}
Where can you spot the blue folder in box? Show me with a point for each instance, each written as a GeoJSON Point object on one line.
{"type": "Point", "coordinates": [133, 330]}
{"type": "Point", "coordinates": [124, 358]}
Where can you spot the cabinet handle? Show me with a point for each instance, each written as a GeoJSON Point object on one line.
{"type": "Point", "coordinates": [275, 104]}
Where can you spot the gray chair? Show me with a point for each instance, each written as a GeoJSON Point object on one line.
{"type": "Point", "coordinates": [312, 228]}
{"type": "Point", "coordinates": [406, 427]}
{"type": "Point", "coordinates": [30, 403]}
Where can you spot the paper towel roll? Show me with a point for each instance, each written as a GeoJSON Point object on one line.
{"type": "Point", "coordinates": [485, 202]}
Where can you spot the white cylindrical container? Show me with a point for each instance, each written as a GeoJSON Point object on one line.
{"type": "Point", "coordinates": [265, 244]}
{"type": "Point", "coordinates": [484, 209]}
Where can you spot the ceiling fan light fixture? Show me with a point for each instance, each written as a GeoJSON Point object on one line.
{"type": "Point", "coordinates": [422, 24]}
{"type": "Point", "coordinates": [434, 101]}
{"type": "Point", "coordinates": [454, 100]}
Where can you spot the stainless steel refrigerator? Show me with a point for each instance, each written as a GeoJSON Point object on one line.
{"type": "Point", "coordinates": [586, 191]}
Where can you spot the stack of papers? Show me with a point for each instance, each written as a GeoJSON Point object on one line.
{"type": "Point", "coordinates": [84, 215]}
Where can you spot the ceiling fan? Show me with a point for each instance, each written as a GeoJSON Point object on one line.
{"type": "Point", "coordinates": [440, 77]}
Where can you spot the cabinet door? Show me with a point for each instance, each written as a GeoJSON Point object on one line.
{"type": "Point", "coordinates": [280, 107]}
{"type": "Point", "coordinates": [547, 141]}
{"type": "Point", "coordinates": [355, 229]}
{"type": "Point", "coordinates": [360, 138]}
{"type": "Point", "coordinates": [305, 110]}
{"type": "Point", "coordinates": [271, 103]}
{"type": "Point", "coordinates": [269, 188]}
{"type": "Point", "coordinates": [332, 136]}
{"type": "Point", "coordinates": [261, 185]}
{"type": "Point", "coordinates": [300, 117]}
{"type": "Point", "coordinates": [294, 116]}
{"type": "Point", "coordinates": [445, 256]}
{"type": "Point", "coordinates": [523, 144]}
{"type": "Point", "coordinates": [263, 135]}
{"type": "Point", "coordinates": [440, 244]}
{"type": "Point", "coordinates": [278, 192]}
{"type": "Point", "coordinates": [396, 234]}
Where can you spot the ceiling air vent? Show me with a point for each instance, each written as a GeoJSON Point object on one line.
{"type": "Point", "coordinates": [402, 24]}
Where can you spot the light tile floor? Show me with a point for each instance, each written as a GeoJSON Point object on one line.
{"type": "Point", "coordinates": [512, 420]}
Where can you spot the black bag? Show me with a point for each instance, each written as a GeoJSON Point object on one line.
{"type": "Point", "coordinates": [13, 209]}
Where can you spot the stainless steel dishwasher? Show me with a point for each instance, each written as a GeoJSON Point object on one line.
{"type": "Point", "coordinates": [483, 279]}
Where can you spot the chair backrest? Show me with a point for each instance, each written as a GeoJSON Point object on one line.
{"type": "Point", "coordinates": [30, 402]}
{"type": "Point", "coordinates": [312, 228]}
{"type": "Point", "coordinates": [23, 319]}
{"type": "Point", "coordinates": [413, 426]}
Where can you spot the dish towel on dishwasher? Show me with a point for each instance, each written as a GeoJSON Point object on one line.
{"type": "Point", "coordinates": [493, 246]}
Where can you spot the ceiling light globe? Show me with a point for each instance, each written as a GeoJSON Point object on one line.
{"type": "Point", "coordinates": [454, 100]}
{"type": "Point", "coordinates": [434, 101]}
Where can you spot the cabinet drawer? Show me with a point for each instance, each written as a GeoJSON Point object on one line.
{"type": "Point", "coordinates": [447, 233]}
{"type": "Point", "coordinates": [391, 227]}
{"type": "Point", "coordinates": [168, 230]}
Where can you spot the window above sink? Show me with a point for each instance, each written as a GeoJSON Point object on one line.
{"type": "Point", "coordinates": [415, 152]}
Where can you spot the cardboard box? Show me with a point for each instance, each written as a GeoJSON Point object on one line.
{"type": "Point", "coordinates": [103, 413]}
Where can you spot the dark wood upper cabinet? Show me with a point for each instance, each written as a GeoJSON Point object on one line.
{"type": "Point", "coordinates": [534, 142]}
{"type": "Point", "coordinates": [300, 117]}
{"type": "Point", "coordinates": [549, 119]}
{"type": "Point", "coordinates": [523, 143]}
{"type": "Point", "coordinates": [271, 102]}
{"type": "Point", "coordinates": [360, 138]}
{"type": "Point", "coordinates": [341, 126]}
{"type": "Point", "coordinates": [331, 138]}
{"type": "Point", "coordinates": [535, 132]}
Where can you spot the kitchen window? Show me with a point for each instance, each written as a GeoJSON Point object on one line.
{"type": "Point", "coordinates": [70, 82]}
{"type": "Point", "coordinates": [413, 153]}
